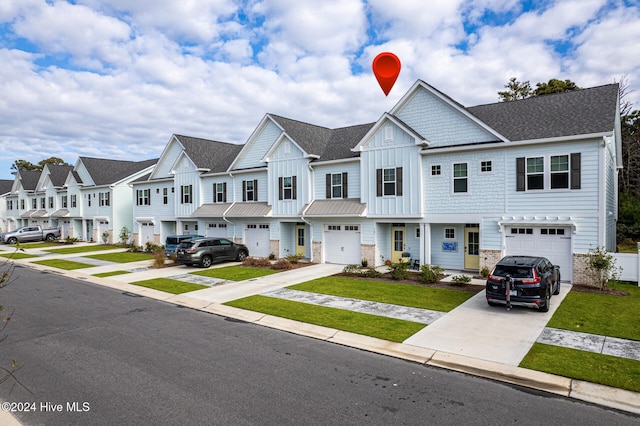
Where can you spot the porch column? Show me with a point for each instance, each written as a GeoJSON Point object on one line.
{"type": "Point", "coordinates": [425, 243]}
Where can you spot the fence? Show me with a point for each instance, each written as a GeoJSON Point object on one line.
{"type": "Point", "coordinates": [629, 262]}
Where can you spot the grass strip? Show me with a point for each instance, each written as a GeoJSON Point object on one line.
{"type": "Point", "coordinates": [603, 314]}
{"type": "Point", "coordinates": [63, 264]}
{"type": "Point", "coordinates": [110, 274]}
{"type": "Point", "coordinates": [169, 286]}
{"type": "Point", "coordinates": [437, 299]}
{"type": "Point", "coordinates": [123, 257]}
{"type": "Point", "coordinates": [39, 245]}
{"type": "Point", "coordinates": [391, 329]}
{"type": "Point", "coordinates": [235, 273]}
{"type": "Point", "coordinates": [592, 367]}
{"type": "Point", "coordinates": [83, 249]}
{"type": "Point", "coordinates": [16, 255]}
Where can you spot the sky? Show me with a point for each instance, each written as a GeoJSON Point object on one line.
{"type": "Point", "coordinates": [117, 78]}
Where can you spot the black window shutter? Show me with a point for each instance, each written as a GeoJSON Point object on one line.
{"type": "Point", "coordinates": [575, 170]}
{"type": "Point", "coordinates": [280, 188]}
{"type": "Point", "coordinates": [244, 190]}
{"type": "Point", "coordinates": [215, 194]}
{"type": "Point", "coordinates": [224, 192]}
{"type": "Point", "coordinates": [344, 185]}
{"type": "Point", "coordinates": [293, 189]}
{"type": "Point", "coordinates": [328, 185]}
{"type": "Point", "coordinates": [399, 181]}
{"type": "Point", "coordinates": [520, 174]}
{"type": "Point", "coordinates": [379, 183]}
{"type": "Point", "coordinates": [255, 190]}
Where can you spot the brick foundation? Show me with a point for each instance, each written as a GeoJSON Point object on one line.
{"type": "Point", "coordinates": [488, 258]}
{"type": "Point", "coordinates": [368, 252]}
{"type": "Point", "coordinates": [274, 247]}
{"type": "Point", "coordinates": [581, 272]}
{"type": "Point", "coordinates": [316, 248]}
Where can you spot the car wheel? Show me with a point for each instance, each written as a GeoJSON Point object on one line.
{"type": "Point", "coordinates": [557, 287]}
{"type": "Point", "coordinates": [242, 255]}
{"type": "Point", "coordinates": [50, 237]}
{"type": "Point", "coordinates": [544, 306]}
{"type": "Point", "coordinates": [12, 240]}
{"type": "Point", "coordinates": [206, 261]}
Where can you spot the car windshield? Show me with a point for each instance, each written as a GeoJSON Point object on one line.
{"type": "Point", "coordinates": [186, 245]}
{"type": "Point", "coordinates": [514, 271]}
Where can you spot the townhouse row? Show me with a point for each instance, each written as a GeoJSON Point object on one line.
{"type": "Point", "coordinates": [431, 181]}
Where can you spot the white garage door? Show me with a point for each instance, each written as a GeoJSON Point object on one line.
{"type": "Point", "coordinates": [256, 238]}
{"type": "Point", "coordinates": [554, 243]}
{"type": "Point", "coordinates": [216, 230]}
{"type": "Point", "coordinates": [342, 244]}
{"type": "Point", "coordinates": [103, 227]}
{"type": "Point", "coordinates": [146, 232]}
{"type": "Point", "coordinates": [66, 226]}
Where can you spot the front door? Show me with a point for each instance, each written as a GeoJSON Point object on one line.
{"type": "Point", "coordinates": [301, 241]}
{"type": "Point", "coordinates": [471, 248]}
{"type": "Point", "coordinates": [397, 243]}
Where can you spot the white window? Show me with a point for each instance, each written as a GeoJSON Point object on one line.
{"type": "Point", "coordinates": [165, 196]}
{"type": "Point", "coordinates": [219, 192]}
{"type": "Point", "coordinates": [104, 199]}
{"type": "Point", "coordinates": [460, 180]}
{"type": "Point", "coordinates": [389, 181]}
{"type": "Point", "coordinates": [187, 194]}
{"type": "Point", "coordinates": [535, 173]}
{"type": "Point", "coordinates": [559, 171]}
{"type": "Point", "coordinates": [143, 197]}
{"type": "Point", "coordinates": [287, 188]}
{"type": "Point", "coordinates": [336, 185]}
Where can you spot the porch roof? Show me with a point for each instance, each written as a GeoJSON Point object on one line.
{"type": "Point", "coordinates": [60, 213]}
{"type": "Point", "coordinates": [211, 210]}
{"type": "Point", "coordinates": [249, 210]}
{"type": "Point", "coordinates": [342, 207]}
{"type": "Point", "coordinates": [27, 214]}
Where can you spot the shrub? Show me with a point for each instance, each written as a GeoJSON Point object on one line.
{"type": "Point", "coordinates": [485, 272]}
{"type": "Point", "coordinates": [159, 256]}
{"type": "Point", "coordinates": [272, 256]}
{"type": "Point", "coordinates": [150, 247]}
{"type": "Point", "coordinates": [351, 269]}
{"type": "Point", "coordinates": [373, 273]}
{"type": "Point", "coordinates": [399, 270]}
{"type": "Point", "coordinates": [364, 263]}
{"type": "Point", "coordinates": [460, 279]}
{"type": "Point", "coordinates": [430, 274]}
{"type": "Point", "coordinates": [70, 240]}
{"type": "Point", "coordinates": [603, 266]}
{"type": "Point", "coordinates": [105, 237]}
{"type": "Point", "coordinates": [294, 258]}
{"type": "Point", "coordinates": [124, 235]}
{"type": "Point", "coordinates": [281, 264]}
{"type": "Point", "coordinates": [258, 262]}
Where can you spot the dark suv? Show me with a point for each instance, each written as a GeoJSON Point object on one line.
{"type": "Point", "coordinates": [532, 282]}
{"type": "Point", "coordinates": [204, 251]}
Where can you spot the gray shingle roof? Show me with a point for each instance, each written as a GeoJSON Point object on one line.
{"type": "Point", "coordinates": [104, 171]}
{"type": "Point", "coordinates": [29, 179]}
{"type": "Point", "coordinates": [5, 186]}
{"type": "Point", "coordinates": [207, 154]}
{"type": "Point", "coordinates": [581, 112]}
{"type": "Point", "coordinates": [328, 144]}
{"type": "Point", "coordinates": [58, 174]}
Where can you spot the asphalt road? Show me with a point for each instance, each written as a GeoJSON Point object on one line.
{"type": "Point", "coordinates": [93, 355]}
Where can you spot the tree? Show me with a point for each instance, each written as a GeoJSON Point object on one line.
{"type": "Point", "coordinates": [555, 86]}
{"type": "Point", "coordinates": [522, 90]}
{"type": "Point", "coordinates": [515, 90]}
{"type": "Point", "coordinates": [24, 165]}
{"type": "Point", "coordinates": [630, 173]}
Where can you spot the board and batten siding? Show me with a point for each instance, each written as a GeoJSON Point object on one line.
{"type": "Point", "coordinates": [187, 174]}
{"type": "Point", "coordinates": [258, 147]}
{"type": "Point", "coordinates": [285, 168]}
{"type": "Point", "coordinates": [556, 201]}
{"type": "Point", "coordinates": [381, 153]}
{"type": "Point", "coordinates": [440, 123]}
{"type": "Point", "coordinates": [485, 190]}
{"type": "Point", "coordinates": [353, 179]}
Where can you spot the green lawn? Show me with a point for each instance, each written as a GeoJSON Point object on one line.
{"type": "Point", "coordinates": [235, 273]}
{"type": "Point", "coordinates": [42, 244]}
{"type": "Point", "coordinates": [123, 257]}
{"type": "Point", "coordinates": [63, 264]}
{"type": "Point", "coordinates": [83, 249]}
{"type": "Point", "coordinates": [17, 255]}
{"type": "Point", "coordinates": [592, 367]}
{"type": "Point", "coordinates": [170, 286]}
{"type": "Point", "coordinates": [369, 325]}
{"type": "Point", "coordinates": [110, 274]}
{"type": "Point", "coordinates": [606, 315]}
{"type": "Point", "coordinates": [437, 299]}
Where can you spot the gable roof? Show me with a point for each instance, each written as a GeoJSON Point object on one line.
{"type": "Point", "coordinates": [581, 112]}
{"type": "Point", "coordinates": [29, 179]}
{"type": "Point", "coordinates": [322, 142]}
{"type": "Point", "coordinates": [58, 174]}
{"type": "Point", "coordinates": [212, 156]}
{"type": "Point", "coordinates": [5, 186]}
{"type": "Point", "coordinates": [104, 171]}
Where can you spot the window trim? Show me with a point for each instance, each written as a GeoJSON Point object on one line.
{"type": "Point", "coordinates": [246, 191]}
{"type": "Point", "coordinates": [186, 194]}
{"type": "Point", "coordinates": [222, 194]}
{"type": "Point", "coordinates": [433, 170]}
{"type": "Point", "coordinates": [490, 164]}
{"type": "Point", "coordinates": [330, 186]}
{"type": "Point", "coordinates": [453, 233]}
{"type": "Point", "coordinates": [143, 197]}
{"type": "Point", "coordinates": [455, 178]}
{"type": "Point", "coordinates": [293, 188]}
{"type": "Point", "coordinates": [380, 182]}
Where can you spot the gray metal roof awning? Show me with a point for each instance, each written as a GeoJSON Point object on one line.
{"type": "Point", "coordinates": [60, 213]}
{"type": "Point", "coordinates": [249, 210]}
{"type": "Point", "coordinates": [211, 210]}
{"type": "Point", "coordinates": [27, 214]}
{"type": "Point", "coordinates": [342, 207]}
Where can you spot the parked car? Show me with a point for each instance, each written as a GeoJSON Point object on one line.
{"type": "Point", "coordinates": [172, 242]}
{"type": "Point", "coordinates": [204, 251]}
{"type": "Point", "coordinates": [30, 233]}
{"type": "Point", "coordinates": [532, 281]}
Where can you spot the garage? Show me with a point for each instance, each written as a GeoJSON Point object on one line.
{"type": "Point", "coordinates": [342, 244]}
{"type": "Point", "coordinates": [65, 229]}
{"type": "Point", "coordinates": [554, 243]}
{"type": "Point", "coordinates": [103, 229]}
{"type": "Point", "coordinates": [216, 230]}
{"type": "Point", "coordinates": [256, 238]}
{"type": "Point", "coordinates": [146, 232]}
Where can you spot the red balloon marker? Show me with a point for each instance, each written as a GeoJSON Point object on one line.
{"type": "Point", "coordinates": [386, 67]}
